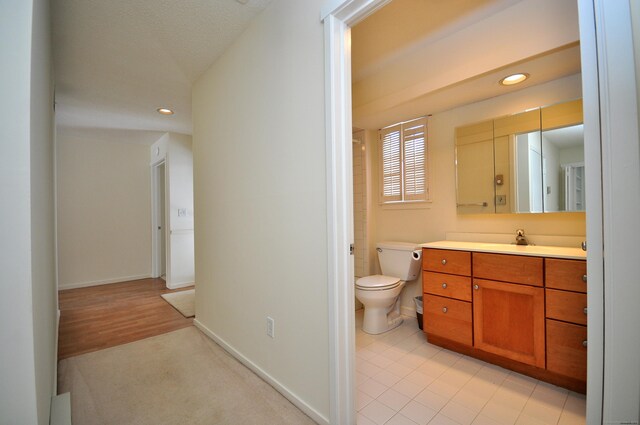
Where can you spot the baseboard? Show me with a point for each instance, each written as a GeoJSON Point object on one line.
{"type": "Point", "coordinates": [180, 285]}
{"type": "Point", "coordinates": [60, 409]}
{"type": "Point", "coordinates": [64, 286]}
{"type": "Point", "coordinates": [408, 311]}
{"type": "Point", "coordinates": [55, 359]}
{"type": "Point", "coordinates": [300, 404]}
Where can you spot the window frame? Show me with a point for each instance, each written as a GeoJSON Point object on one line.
{"type": "Point", "coordinates": [402, 198]}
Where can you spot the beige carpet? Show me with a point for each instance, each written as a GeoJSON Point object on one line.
{"type": "Point", "coordinates": [177, 378]}
{"type": "Point", "coordinates": [183, 301]}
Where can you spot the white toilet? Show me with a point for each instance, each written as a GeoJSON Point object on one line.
{"type": "Point", "coordinates": [380, 294]}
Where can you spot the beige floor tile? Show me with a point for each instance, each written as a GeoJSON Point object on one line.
{"type": "Point", "coordinates": [377, 412]}
{"type": "Point", "coordinates": [459, 413]}
{"type": "Point", "coordinates": [418, 412]}
{"type": "Point", "coordinates": [393, 399]}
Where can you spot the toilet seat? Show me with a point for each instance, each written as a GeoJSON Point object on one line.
{"type": "Point", "coordinates": [377, 282]}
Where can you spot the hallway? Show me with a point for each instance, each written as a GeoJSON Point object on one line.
{"type": "Point", "coordinates": [99, 317]}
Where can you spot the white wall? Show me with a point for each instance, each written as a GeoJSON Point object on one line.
{"type": "Point", "coordinates": [434, 220]}
{"type": "Point", "coordinates": [175, 150]}
{"type": "Point", "coordinates": [260, 192]}
{"type": "Point", "coordinates": [28, 303]}
{"type": "Point", "coordinates": [104, 209]}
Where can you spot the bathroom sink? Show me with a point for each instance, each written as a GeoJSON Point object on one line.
{"type": "Point", "coordinates": [504, 248]}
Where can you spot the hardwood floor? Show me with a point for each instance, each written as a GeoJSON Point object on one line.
{"type": "Point", "coordinates": [108, 315]}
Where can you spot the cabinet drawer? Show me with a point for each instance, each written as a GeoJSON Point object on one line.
{"type": "Point", "coordinates": [447, 285]}
{"type": "Point", "coordinates": [448, 318]}
{"type": "Point", "coordinates": [566, 274]}
{"type": "Point", "coordinates": [508, 268]}
{"type": "Point", "coordinates": [446, 261]}
{"type": "Point", "coordinates": [566, 306]}
{"type": "Point", "coordinates": [566, 351]}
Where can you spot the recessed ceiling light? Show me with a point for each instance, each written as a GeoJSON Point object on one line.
{"type": "Point", "coordinates": [512, 79]}
{"type": "Point", "coordinates": [165, 111]}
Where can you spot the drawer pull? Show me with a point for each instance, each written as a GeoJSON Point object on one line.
{"type": "Point", "coordinates": [444, 309]}
{"type": "Point", "coordinates": [584, 343]}
{"type": "Point", "coordinates": [584, 277]}
{"type": "Point", "coordinates": [585, 311]}
{"type": "Point", "coordinates": [444, 286]}
{"type": "Point", "coordinates": [444, 262]}
{"type": "Point", "coordinates": [476, 287]}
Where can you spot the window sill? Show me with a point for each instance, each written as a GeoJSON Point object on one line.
{"type": "Point", "coordinates": [406, 205]}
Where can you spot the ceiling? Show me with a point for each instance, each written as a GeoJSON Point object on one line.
{"type": "Point", "coordinates": [417, 57]}
{"type": "Point", "coordinates": [117, 61]}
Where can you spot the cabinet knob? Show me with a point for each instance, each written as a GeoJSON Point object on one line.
{"type": "Point", "coordinates": [444, 286]}
{"type": "Point", "coordinates": [584, 277]}
{"type": "Point", "coordinates": [584, 343]}
{"type": "Point", "coordinates": [444, 262]}
{"type": "Point", "coordinates": [445, 309]}
{"type": "Point", "coordinates": [476, 287]}
{"type": "Point", "coordinates": [585, 311]}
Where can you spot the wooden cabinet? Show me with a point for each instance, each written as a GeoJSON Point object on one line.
{"type": "Point", "coordinates": [448, 318]}
{"type": "Point", "coordinates": [569, 275]}
{"type": "Point", "coordinates": [447, 261]}
{"type": "Point", "coordinates": [508, 268]}
{"type": "Point", "coordinates": [508, 320]}
{"type": "Point", "coordinates": [567, 306]}
{"type": "Point", "coordinates": [567, 349]}
{"type": "Point", "coordinates": [446, 287]}
{"type": "Point", "coordinates": [566, 312]}
{"type": "Point", "coordinates": [524, 313]}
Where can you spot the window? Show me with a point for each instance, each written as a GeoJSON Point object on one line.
{"type": "Point", "coordinates": [403, 155]}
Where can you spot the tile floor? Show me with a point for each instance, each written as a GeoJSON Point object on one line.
{"type": "Point", "coordinates": [401, 379]}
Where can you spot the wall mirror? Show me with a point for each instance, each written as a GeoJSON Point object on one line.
{"type": "Point", "coordinates": [529, 162]}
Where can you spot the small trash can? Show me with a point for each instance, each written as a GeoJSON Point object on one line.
{"type": "Point", "coordinates": [419, 310]}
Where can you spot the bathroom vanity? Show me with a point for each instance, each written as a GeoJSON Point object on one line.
{"type": "Point", "coordinates": [520, 307]}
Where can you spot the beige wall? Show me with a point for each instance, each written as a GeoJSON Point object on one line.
{"type": "Point", "coordinates": [260, 201]}
{"type": "Point", "coordinates": [104, 209]}
{"type": "Point", "coordinates": [432, 221]}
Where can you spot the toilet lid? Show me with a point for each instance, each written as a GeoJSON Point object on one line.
{"type": "Point", "coordinates": [377, 281]}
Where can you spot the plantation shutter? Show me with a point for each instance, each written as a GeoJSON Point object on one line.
{"type": "Point", "coordinates": [391, 160]}
{"type": "Point", "coordinates": [414, 137]}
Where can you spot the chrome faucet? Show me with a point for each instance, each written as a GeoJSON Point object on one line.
{"type": "Point", "coordinates": [520, 238]}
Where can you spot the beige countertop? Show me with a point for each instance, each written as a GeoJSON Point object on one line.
{"type": "Point", "coordinates": [501, 248]}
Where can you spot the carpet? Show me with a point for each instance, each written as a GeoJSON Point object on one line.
{"type": "Point", "coordinates": [181, 377]}
{"type": "Point", "coordinates": [183, 301]}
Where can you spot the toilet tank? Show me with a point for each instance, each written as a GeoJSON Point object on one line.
{"type": "Point", "coordinates": [398, 259]}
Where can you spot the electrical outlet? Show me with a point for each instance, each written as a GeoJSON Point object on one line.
{"type": "Point", "coordinates": [501, 199]}
{"type": "Point", "coordinates": [271, 325]}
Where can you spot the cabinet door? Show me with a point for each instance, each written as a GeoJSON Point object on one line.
{"type": "Point", "coordinates": [508, 320]}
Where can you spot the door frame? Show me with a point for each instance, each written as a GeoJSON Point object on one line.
{"type": "Point", "coordinates": [337, 16]}
{"type": "Point", "coordinates": [156, 249]}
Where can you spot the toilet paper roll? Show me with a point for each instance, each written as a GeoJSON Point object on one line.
{"type": "Point", "coordinates": [417, 254]}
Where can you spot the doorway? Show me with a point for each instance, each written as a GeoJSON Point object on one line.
{"type": "Point", "coordinates": [338, 18]}
{"type": "Point", "coordinates": [159, 233]}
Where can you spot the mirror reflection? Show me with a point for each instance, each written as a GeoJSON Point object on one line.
{"type": "Point", "coordinates": [563, 169]}
{"type": "Point", "coordinates": [530, 162]}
